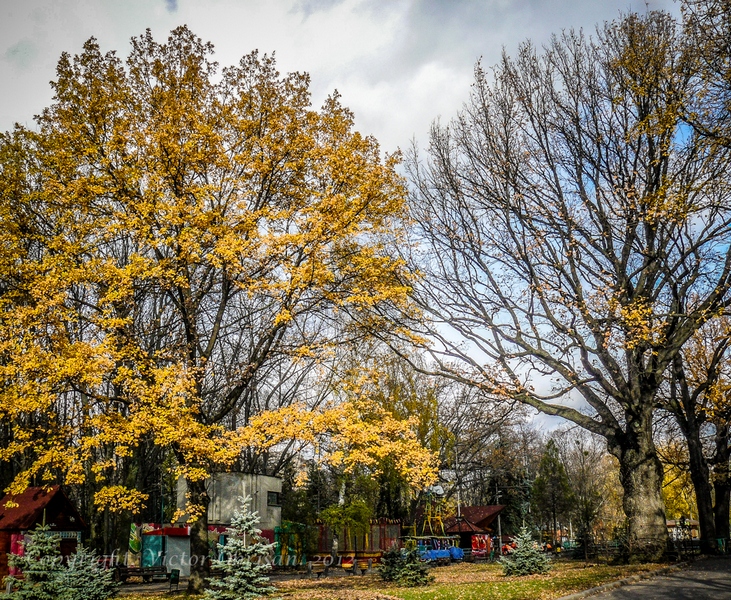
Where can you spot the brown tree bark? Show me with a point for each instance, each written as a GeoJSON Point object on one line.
{"type": "Point", "coordinates": [722, 482]}
{"type": "Point", "coordinates": [683, 403]}
{"type": "Point", "coordinates": [699, 474]}
{"type": "Point", "coordinates": [641, 475]}
{"type": "Point", "coordinates": [199, 549]}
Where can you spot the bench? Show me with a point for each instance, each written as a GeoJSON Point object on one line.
{"type": "Point", "coordinates": [122, 573]}
{"type": "Point", "coordinates": [317, 567]}
{"type": "Point", "coordinates": [348, 563]}
{"type": "Point", "coordinates": [364, 565]}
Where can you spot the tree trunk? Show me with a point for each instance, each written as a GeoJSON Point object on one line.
{"type": "Point", "coordinates": [699, 474]}
{"type": "Point", "coordinates": [722, 482]}
{"type": "Point", "coordinates": [641, 476]}
{"type": "Point", "coordinates": [199, 550]}
{"type": "Point", "coordinates": [685, 407]}
{"type": "Point", "coordinates": [722, 509]}
{"type": "Point", "coordinates": [96, 531]}
{"type": "Point", "coordinates": [119, 538]}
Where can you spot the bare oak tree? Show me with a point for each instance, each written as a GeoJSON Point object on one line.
{"type": "Point", "coordinates": [574, 234]}
{"type": "Point", "coordinates": [708, 26]}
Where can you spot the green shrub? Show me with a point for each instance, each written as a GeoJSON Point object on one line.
{"type": "Point", "coordinates": [45, 577]}
{"type": "Point", "coordinates": [245, 564]}
{"type": "Point", "coordinates": [527, 558]}
{"type": "Point", "coordinates": [404, 567]}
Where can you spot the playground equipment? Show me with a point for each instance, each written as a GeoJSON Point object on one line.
{"type": "Point", "coordinates": [482, 547]}
{"type": "Point", "coordinates": [438, 549]}
{"type": "Point", "coordinates": [433, 524]}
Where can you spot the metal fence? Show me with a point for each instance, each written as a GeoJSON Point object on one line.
{"type": "Point", "coordinates": [616, 549]}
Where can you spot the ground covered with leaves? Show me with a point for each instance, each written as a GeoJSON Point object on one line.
{"type": "Point", "coordinates": [465, 582]}
{"type": "Point", "coordinates": [462, 581]}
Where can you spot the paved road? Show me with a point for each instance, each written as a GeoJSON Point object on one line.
{"type": "Point", "coordinates": [708, 579]}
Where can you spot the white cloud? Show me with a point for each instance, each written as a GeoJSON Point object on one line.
{"type": "Point", "coordinates": [397, 63]}
{"type": "Point", "coordinates": [397, 110]}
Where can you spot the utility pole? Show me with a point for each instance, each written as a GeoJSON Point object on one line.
{"type": "Point", "coordinates": [456, 476]}
{"type": "Point", "coordinates": [162, 500]}
{"type": "Point", "coordinates": [499, 525]}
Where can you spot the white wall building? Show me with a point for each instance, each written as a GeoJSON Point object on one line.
{"type": "Point", "coordinates": [225, 489]}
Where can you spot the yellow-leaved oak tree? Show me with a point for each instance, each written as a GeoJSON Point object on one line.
{"type": "Point", "coordinates": [174, 238]}
{"type": "Point", "coordinates": [575, 232]}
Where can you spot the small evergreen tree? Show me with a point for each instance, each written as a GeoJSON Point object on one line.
{"type": "Point", "coordinates": [526, 558]}
{"type": "Point", "coordinates": [391, 564]}
{"type": "Point", "coordinates": [40, 565]}
{"type": "Point", "coordinates": [243, 565]}
{"type": "Point", "coordinates": [553, 497]}
{"type": "Point", "coordinates": [404, 567]}
{"type": "Point", "coordinates": [45, 577]}
{"type": "Point", "coordinates": [86, 579]}
{"type": "Point", "coordinates": [414, 572]}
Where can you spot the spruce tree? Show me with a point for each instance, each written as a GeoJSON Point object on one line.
{"type": "Point", "coordinates": [392, 563]}
{"type": "Point", "coordinates": [553, 497]}
{"type": "Point", "coordinates": [404, 567]}
{"type": "Point", "coordinates": [45, 577]}
{"type": "Point", "coordinates": [414, 571]}
{"type": "Point", "coordinates": [526, 558]}
{"type": "Point", "coordinates": [244, 564]}
{"type": "Point", "coordinates": [86, 579]}
{"type": "Point", "coordinates": [40, 566]}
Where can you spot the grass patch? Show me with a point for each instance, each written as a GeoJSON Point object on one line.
{"type": "Point", "coordinates": [462, 581]}
{"type": "Point", "coordinates": [181, 595]}
{"type": "Point", "coordinates": [466, 582]}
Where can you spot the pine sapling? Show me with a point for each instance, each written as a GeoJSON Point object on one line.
{"type": "Point", "coordinates": [245, 560]}
{"type": "Point", "coordinates": [392, 563]}
{"type": "Point", "coordinates": [527, 558]}
{"type": "Point", "coordinates": [40, 566]}
{"type": "Point", "coordinates": [404, 567]}
{"type": "Point", "coordinates": [86, 579]}
{"type": "Point", "coordinates": [415, 572]}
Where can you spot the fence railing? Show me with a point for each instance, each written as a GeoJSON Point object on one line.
{"type": "Point", "coordinates": [679, 549]}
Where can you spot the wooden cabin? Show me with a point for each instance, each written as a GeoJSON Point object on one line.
{"type": "Point", "coordinates": [22, 512]}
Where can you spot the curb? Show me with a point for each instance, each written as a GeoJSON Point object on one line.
{"type": "Point", "coordinates": [613, 585]}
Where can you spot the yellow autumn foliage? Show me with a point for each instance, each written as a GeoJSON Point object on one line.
{"type": "Point", "coordinates": [167, 232]}
{"type": "Point", "coordinates": [677, 488]}
{"type": "Point", "coordinates": [354, 434]}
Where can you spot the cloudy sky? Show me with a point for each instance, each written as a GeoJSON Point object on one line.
{"type": "Point", "coordinates": [397, 63]}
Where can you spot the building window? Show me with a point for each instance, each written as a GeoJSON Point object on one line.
{"type": "Point", "coordinates": [273, 499]}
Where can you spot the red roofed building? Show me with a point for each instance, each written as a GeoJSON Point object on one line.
{"type": "Point", "coordinates": [22, 512]}
{"type": "Point", "coordinates": [472, 520]}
